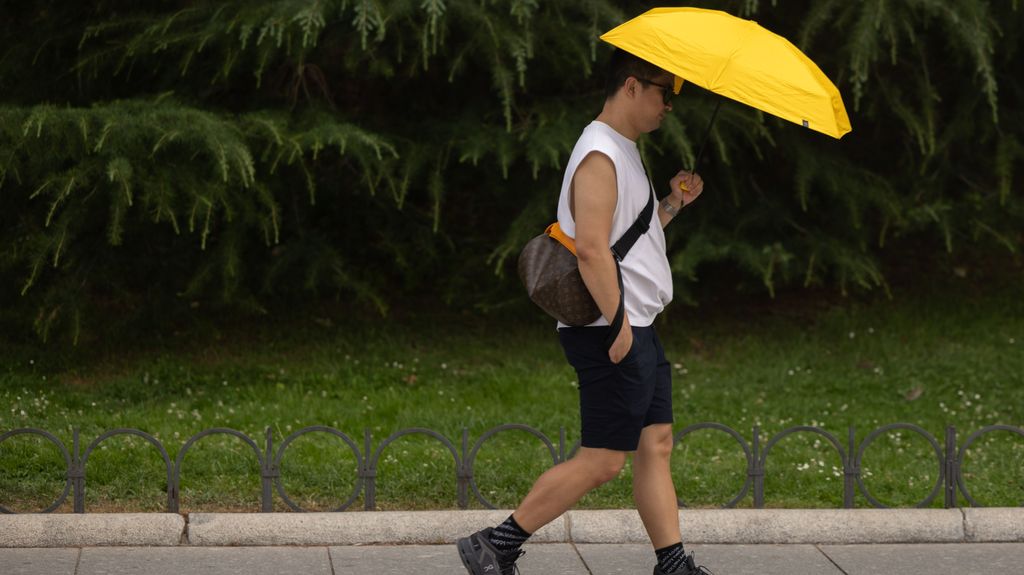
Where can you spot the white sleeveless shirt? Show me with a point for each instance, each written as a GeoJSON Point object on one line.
{"type": "Point", "coordinates": [646, 276]}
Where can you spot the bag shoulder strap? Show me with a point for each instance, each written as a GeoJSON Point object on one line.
{"type": "Point", "coordinates": [620, 249]}
{"type": "Point", "coordinates": [633, 233]}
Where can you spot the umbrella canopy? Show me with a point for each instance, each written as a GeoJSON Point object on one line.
{"type": "Point", "coordinates": [738, 59]}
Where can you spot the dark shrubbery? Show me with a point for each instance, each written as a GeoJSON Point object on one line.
{"type": "Point", "coordinates": [236, 152]}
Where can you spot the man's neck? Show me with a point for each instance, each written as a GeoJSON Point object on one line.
{"type": "Point", "coordinates": [618, 122]}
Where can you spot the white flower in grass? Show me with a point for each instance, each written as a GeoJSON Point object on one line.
{"type": "Point", "coordinates": [853, 335]}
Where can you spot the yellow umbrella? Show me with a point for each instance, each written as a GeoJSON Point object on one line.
{"type": "Point", "coordinates": [738, 59]}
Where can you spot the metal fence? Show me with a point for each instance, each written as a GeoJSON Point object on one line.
{"type": "Point", "coordinates": [949, 458]}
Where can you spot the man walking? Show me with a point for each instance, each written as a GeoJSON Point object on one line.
{"type": "Point", "coordinates": [625, 390]}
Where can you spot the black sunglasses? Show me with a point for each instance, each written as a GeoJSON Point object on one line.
{"type": "Point", "coordinates": [666, 91]}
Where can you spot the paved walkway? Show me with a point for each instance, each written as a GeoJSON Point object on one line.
{"type": "Point", "coordinates": [541, 559]}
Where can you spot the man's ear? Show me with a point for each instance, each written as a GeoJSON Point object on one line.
{"type": "Point", "coordinates": [630, 85]}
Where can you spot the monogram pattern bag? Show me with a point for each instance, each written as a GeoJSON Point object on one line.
{"type": "Point", "coordinates": [550, 272]}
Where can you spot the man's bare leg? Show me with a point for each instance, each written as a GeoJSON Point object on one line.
{"type": "Point", "coordinates": [653, 490]}
{"type": "Point", "coordinates": [560, 487]}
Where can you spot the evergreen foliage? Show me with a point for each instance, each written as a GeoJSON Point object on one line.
{"type": "Point", "coordinates": [207, 153]}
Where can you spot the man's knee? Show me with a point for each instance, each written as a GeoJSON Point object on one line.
{"type": "Point", "coordinates": [605, 465]}
{"type": "Point", "coordinates": [656, 442]}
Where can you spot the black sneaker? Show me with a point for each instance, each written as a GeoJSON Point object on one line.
{"type": "Point", "coordinates": [482, 558]}
{"type": "Point", "coordinates": [687, 568]}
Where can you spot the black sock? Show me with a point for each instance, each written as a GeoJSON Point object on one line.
{"type": "Point", "coordinates": [670, 558]}
{"type": "Point", "coordinates": [509, 536]}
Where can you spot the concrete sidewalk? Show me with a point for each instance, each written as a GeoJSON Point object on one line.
{"type": "Point", "coordinates": [540, 559]}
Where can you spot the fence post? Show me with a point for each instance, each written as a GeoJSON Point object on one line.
{"type": "Point", "coordinates": [77, 473]}
{"type": "Point", "coordinates": [464, 473]}
{"type": "Point", "coordinates": [851, 472]}
{"type": "Point", "coordinates": [952, 467]}
{"type": "Point", "coordinates": [267, 474]}
{"type": "Point", "coordinates": [756, 470]}
{"type": "Point", "coordinates": [369, 474]}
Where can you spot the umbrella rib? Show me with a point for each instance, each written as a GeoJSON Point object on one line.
{"type": "Point", "coordinates": [727, 59]}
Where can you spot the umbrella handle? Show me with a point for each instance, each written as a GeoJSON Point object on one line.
{"type": "Point", "coordinates": [707, 133]}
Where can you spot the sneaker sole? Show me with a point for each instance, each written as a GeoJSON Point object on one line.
{"type": "Point", "coordinates": [466, 553]}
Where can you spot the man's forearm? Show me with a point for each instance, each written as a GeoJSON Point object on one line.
{"type": "Point", "coordinates": [601, 279]}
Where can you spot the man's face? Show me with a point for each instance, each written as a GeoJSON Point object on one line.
{"type": "Point", "coordinates": [655, 100]}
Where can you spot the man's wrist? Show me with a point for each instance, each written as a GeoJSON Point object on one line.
{"type": "Point", "coordinates": [669, 208]}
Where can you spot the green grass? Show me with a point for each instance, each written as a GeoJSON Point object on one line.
{"type": "Point", "coordinates": [932, 358]}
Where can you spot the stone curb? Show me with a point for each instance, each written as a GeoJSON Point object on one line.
{"type": "Point", "coordinates": [356, 528]}
{"type": "Point", "coordinates": [95, 529]}
{"type": "Point", "coordinates": [729, 526]}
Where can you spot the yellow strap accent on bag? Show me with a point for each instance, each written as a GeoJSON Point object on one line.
{"type": "Point", "coordinates": [555, 232]}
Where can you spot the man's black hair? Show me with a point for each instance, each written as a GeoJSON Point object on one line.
{"type": "Point", "coordinates": [622, 65]}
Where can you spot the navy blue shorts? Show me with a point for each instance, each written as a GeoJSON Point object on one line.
{"type": "Point", "coordinates": [618, 400]}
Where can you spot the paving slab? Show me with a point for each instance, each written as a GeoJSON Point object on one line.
{"type": "Point", "coordinates": [351, 528]}
{"type": "Point", "coordinates": [36, 561]}
{"type": "Point", "coordinates": [204, 560]}
{"type": "Point", "coordinates": [546, 559]}
{"type": "Point", "coordinates": [925, 559]}
{"type": "Point", "coordinates": [725, 559]}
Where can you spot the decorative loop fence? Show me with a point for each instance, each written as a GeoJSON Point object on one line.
{"type": "Point", "coordinates": [949, 459]}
